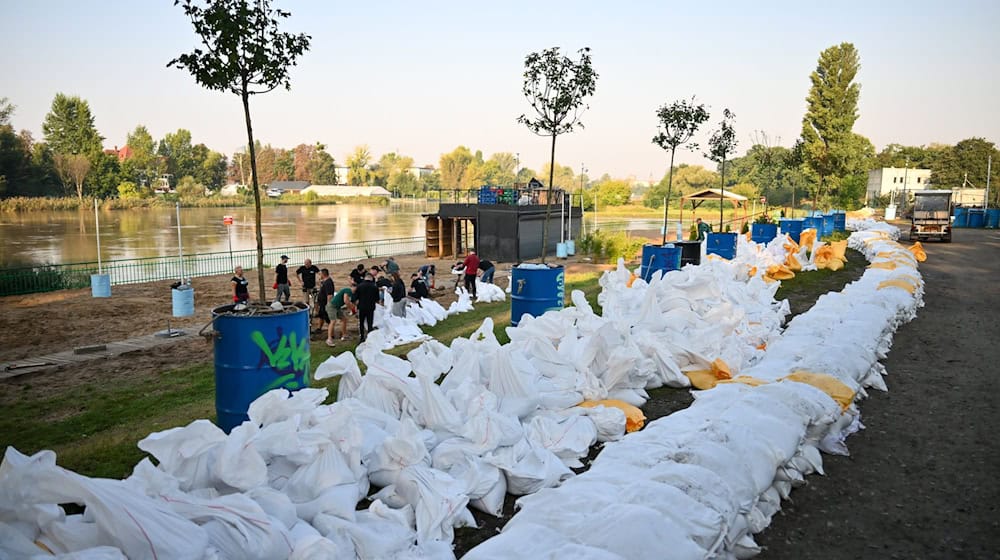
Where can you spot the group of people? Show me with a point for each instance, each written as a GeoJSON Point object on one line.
{"type": "Point", "coordinates": [365, 292]}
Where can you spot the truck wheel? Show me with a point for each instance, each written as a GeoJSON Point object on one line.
{"type": "Point", "coordinates": [946, 239]}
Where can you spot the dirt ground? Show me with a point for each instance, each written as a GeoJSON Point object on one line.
{"type": "Point", "coordinates": [921, 481]}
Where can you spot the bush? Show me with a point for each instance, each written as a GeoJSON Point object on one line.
{"type": "Point", "coordinates": [608, 247]}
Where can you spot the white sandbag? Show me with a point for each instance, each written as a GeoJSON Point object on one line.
{"type": "Point", "coordinates": [187, 453]}
{"type": "Point", "coordinates": [439, 502]}
{"type": "Point", "coordinates": [569, 437]}
{"type": "Point", "coordinates": [529, 540]}
{"type": "Point", "coordinates": [238, 463]}
{"type": "Point", "coordinates": [538, 468]}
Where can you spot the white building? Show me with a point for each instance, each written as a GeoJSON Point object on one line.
{"type": "Point", "coordinates": [345, 190]}
{"type": "Point", "coordinates": [893, 180]}
{"type": "Point", "coordinates": [419, 172]}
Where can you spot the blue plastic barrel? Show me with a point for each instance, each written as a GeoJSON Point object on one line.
{"type": "Point", "coordinates": [659, 257]}
{"type": "Point", "coordinates": [255, 354]}
{"type": "Point", "coordinates": [570, 247]}
{"type": "Point", "coordinates": [182, 298]}
{"type": "Point", "coordinates": [792, 227]}
{"type": "Point", "coordinates": [977, 218]}
{"type": "Point", "coordinates": [536, 290]}
{"type": "Point", "coordinates": [763, 233]}
{"type": "Point", "coordinates": [961, 217]}
{"type": "Point", "coordinates": [721, 244]}
{"type": "Point", "coordinates": [813, 222]}
{"type": "Point", "coordinates": [827, 224]}
{"type": "Point", "coordinates": [839, 220]}
{"type": "Point", "coordinates": [100, 285]}
{"type": "Point", "coordinates": [993, 218]}
{"type": "Point", "coordinates": [561, 250]}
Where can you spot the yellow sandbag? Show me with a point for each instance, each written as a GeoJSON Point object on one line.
{"type": "Point", "coordinates": [749, 237]}
{"type": "Point", "coordinates": [768, 279]}
{"type": "Point", "coordinates": [901, 284]}
{"type": "Point", "coordinates": [791, 246]}
{"type": "Point", "coordinates": [779, 272]}
{"type": "Point", "coordinates": [746, 380]}
{"type": "Point", "coordinates": [631, 280]}
{"type": "Point", "coordinates": [835, 264]}
{"type": "Point", "coordinates": [826, 383]}
{"type": "Point", "coordinates": [707, 378]}
{"type": "Point", "coordinates": [823, 256]}
{"type": "Point", "coordinates": [807, 238]}
{"type": "Point", "coordinates": [918, 251]}
{"type": "Point", "coordinates": [634, 418]}
{"type": "Point", "coordinates": [752, 271]}
{"type": "Point", "coordinates": [839, 249]}
{"type": "Point", "coordinates": [792, 262]}
{"type": "Point", "coordinates": [886, 265]}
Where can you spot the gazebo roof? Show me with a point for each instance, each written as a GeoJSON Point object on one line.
{"type": "Point", "coordinates": [715, 194]}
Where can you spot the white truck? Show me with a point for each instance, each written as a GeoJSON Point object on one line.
{"type": "Point", "coordinates": [931, 216]}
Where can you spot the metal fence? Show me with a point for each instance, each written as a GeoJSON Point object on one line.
{"type": "Point", "coordinates": [50, 277]}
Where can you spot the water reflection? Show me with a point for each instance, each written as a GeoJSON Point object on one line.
{"type": "Point", "coordinates": [69, 236]}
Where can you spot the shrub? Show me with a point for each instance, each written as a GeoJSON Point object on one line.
{"type": "Point", "coordinates": [608, 247]}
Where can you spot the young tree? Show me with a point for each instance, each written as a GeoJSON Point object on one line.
{"type": "Point", "coordinates": [556, 87]}
{"type": "Point", "coordinates": [69, 127]}
{"type": "Point", "coordinates": [357, 166]}
{"type": "Point", "coordinates": [72, 170]}
{"type": "Point", "coordinates": [678, 123]}
{"type": "Point", "coordinates": [720, 145]}
{"type": "Point", "coordinates": [828, 146]}
{"type": "Point", "coordinates": [245, 54]}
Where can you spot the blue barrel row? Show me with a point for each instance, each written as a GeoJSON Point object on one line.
{"type": "Point", "coordinates": [976, 217]}
{"type": "Point", "coordinates": [824, 224]}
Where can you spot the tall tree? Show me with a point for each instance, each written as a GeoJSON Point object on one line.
{"type": "Point", "coordinates": [6, 111]}
{"type": "Point", "coordinates": [69, 127]}
{"type": "Point", "coordinates": [453, 166]}
{"type": "Point", "coordinates": [964, 164]}
{"type": "Point", "coordinates": [73, 169]}
{"type": "Point", "coordinates": [358, 172]}
{"type": "Point", "coordinates": [322, 169]}
{"type": "Point", "coordinates": [720, 145]}
{"type": "Point", "coordinates": [501, 170]}
{"type": "Point", "coordinates": [142, 165]}
{"type": "Point", "coordinates": [556, 87]}
{"type": "Point", "coordinates": [246, 54]}
{"type": "Point", "coordinates": [828, 146]}
{"type": "Point", "coordinates": [678, 123]}
{"type": "Point", "coordinates": [178, 153]}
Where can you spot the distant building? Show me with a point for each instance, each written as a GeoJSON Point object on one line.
{"type": "Point", "coordinates": [287, 187]}
{"type": "Point", "coordinates": [346, 190]}
{"type": "Point", "coordinates": [232, 189]}
{"type": "Point", "coordinates": [122, 154]}
{"type": "Point", "coordinates": [890, 181]}
{"type": "Point", "coordinates": [419, 172]}
{"type": "Point", "coordinates": [341, 173]}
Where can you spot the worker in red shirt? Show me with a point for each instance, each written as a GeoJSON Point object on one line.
{"type": "Point", "coordinates": [471, 268]}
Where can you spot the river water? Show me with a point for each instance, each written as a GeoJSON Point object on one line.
{"type": "Point", "coordinates": [31, 238]}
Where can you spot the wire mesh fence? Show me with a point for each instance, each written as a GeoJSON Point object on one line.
{"type": "Point", "coordinates": [51, 277]}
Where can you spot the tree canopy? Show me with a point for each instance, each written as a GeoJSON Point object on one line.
{"type": "Point", "coordinates": [69, 127]}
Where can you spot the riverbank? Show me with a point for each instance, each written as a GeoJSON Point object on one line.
{"type": "Point", "coordinates": [44, 204]}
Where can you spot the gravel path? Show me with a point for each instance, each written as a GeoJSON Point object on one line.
{"type": "Point", "coordinates": [922, 479]}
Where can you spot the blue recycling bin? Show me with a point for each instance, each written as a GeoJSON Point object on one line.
{"type": "Point", "coordinates": [961, 218]}
{"type": "Point", "coordinates": [792, 227]}
{"type": "Point", "coordinates": [659, 257]}
{"type": "Point", "coordinates": [813, 222]}
{"type": "Point", "coordinates": [255, 354]}
{"type": "Point", "coordinates": [536, 290]}
{"type": "Point", "coordinates": [721, 244]}
{"type": "Point", "coordinates": [827, 224]}
{"type": "Point", "coordinates": [839, 220]}
{"type": "Point", "coordinates": [993, 218]}
{"type": "Point", "coordinates": [763, 233]}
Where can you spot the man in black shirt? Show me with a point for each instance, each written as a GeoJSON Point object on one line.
{"type": "Point", "coordinates": [418, 288]}
{"type": "Point", "coordinates": [358, 274]}
{"type": "Point", "coordinates": [366, 296]}
{"type": "Point", "coordinates": [281, 280]}
{"type": "Point", "coordinates": [307, 275]}
{"type": "Point", "coordinates": [326, 291]}
{"type": "Point", "coordinates": [488, 271]}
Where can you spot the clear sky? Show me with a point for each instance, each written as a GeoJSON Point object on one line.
{"type": "Point", "coordinates": [425, 77]}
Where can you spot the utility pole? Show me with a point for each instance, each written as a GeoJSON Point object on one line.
{"type": "Point", "coordinates": [989, 169]}
{"type": "Point", "coordinates": [906, 169]}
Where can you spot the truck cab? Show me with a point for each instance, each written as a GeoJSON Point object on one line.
{"type": "Point", "coordinates": [931, 216]}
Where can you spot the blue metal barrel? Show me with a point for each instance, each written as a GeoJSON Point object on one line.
{"type": "Point", "coordinates": [182, 298]}
{"type": "Point", "coordinates": [763, 233]}
{"type": "Point", "coordinates": [255, 354]}
{"type": "Point", "coordinates": [961, 217]}
{"type": "Point", "coordinates": [993, 218]}
{"type": "Point", "coordinates": [536, 290]}
{"type": "Point", "coordinates": [792, 227]}
{"type": "Point", "coordinates": [839, 220]}
{"type": "Point", "coordinates": [100, 285]}
{"type": "Point", "coordinates": [721, 244]}
{"type": "Point", "coordinates": [659, 257]}
{"type": "Point", "coordinates": [827, 224]}
{"type": "Point", "coordinates": [813, 222]}
{"type": "Point", "coordinates": [977, 218]}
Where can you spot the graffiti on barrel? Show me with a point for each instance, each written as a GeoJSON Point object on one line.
{"type": "Point", "coordinates": [287, 355]}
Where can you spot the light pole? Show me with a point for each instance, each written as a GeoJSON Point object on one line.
{"type": "Point", "coordinates": [582, 171]}
{"type": "Point", "coordinates": [906, 169]}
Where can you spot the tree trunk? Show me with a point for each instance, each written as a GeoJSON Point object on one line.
{"type": "Point", "coordinates": [666, 203]}
{"type": "Point", "coordinates": [722, 193]}
{"type": "Point", "coordinates": [548, 200]}
{"type": "Point", "coordinates": [256, 196]}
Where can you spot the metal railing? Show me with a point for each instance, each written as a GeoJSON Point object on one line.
{"type": "Point", "coordinates": [51, 277]}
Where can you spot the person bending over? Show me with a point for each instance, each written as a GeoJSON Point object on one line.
{"type": "Point", "coordinates": [337, 309]}
{"type": "Point", "coordinates": [418, 288]}
{"type": "Point", "coordinates": [471, 263]}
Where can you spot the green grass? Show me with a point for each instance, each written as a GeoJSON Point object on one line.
{"type": "Point", "coordinates": [94, 428]}
{"type": "Point", "coordinates": [803, 290]}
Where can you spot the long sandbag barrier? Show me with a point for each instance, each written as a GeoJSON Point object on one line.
{"type": "Point", "coordinates": [701, 481]}
{"type": "Point", "coordinates": [503, 420]}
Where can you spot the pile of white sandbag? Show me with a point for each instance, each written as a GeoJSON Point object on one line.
{"type": "Point", "coordinates": [706, 478]}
